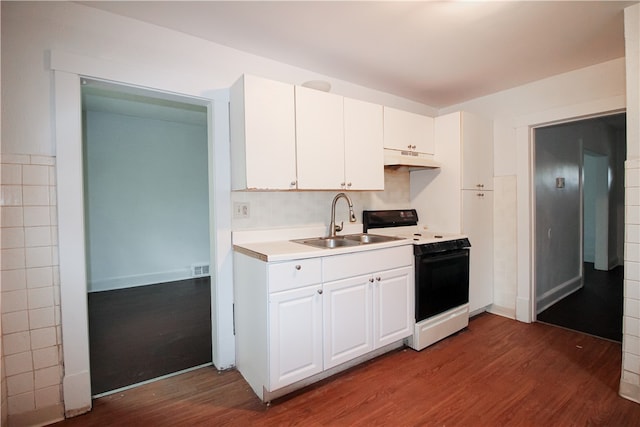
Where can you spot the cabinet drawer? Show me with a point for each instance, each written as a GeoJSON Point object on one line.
{"type": "Point", "coordinates": [349, 265]}
{"type": "Point", "coordinates": [294, 274]}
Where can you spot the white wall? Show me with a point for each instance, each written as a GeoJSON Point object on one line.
{"type": "Point", "coordinates": [153, 56]}
{"type": "Point", "coordinates": [78, 40]}
{"type": "Point", "coordinates": [146, 195]}
{"type": "Point", "coordinates": [581, 93]}
{"type": "Point", "coordinates": [129, 51]}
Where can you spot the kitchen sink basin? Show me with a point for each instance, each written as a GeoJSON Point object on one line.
{"type": "Point", "coordinates": [370, 238]}
{"type": "Point", "coordinates": [327, 242]}
{"type": "Point", "coordinates": [347, 240]}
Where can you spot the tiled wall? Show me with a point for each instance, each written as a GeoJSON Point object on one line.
{"type": "Point", "coordinates": [630, 383]}
{"type": "Point", "coordinates": [298, 208]}
{"type": "Point", "coordinates": [31, 334]}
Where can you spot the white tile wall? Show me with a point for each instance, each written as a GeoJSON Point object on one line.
{"type": "Point", "coordinates": [298, 208]}
{"type": "Point", "coordinates": [31, 339]}
{"type": "Point", "coordinates": [631, 321]}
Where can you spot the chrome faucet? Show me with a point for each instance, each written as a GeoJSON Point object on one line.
{"type": "Point", "coordinates": [333, 228]}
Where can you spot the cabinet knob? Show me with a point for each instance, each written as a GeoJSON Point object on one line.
{"type": "Point", "coordinates": [413, 147]}
{"type": "Point", "coordinates": [480, 194]}
{"type": "Point", "coordinates": [348, 184]}
{"type": "Point", "coordinates": [293, 183]}
{"type": "Point", "coordinates": [342, 184]}
{"type": "Point", "coordinates": [378, 279]}
{"type": "Point", "coordinates": [298, 267]}
{"type": "Point", "coordinates": [371, 279]}
{"type": "Point", "coordinates": [409, 146]}
{"type": "Point", "coordinates": [320, 291]}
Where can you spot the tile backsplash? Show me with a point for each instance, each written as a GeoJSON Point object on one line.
{"type": "Point", "coordinates": [275, 209]}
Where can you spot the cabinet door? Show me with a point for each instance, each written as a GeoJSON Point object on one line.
{"type": "Point", "coordinates": [478, 225]}
{"type": "Point", "coordinates": [408, 131]}
{"type": "Point", "coordinates": [347, 320]}
{"type": "Point", "coordinates": [295, 335]}
{"type": "Point", "coordinates": [319, 139]}
{"type": "Point", "coordinates": [393, 306]}
{"type": "Point", "coordinates": [262, 131]}
{"type": "Point", "coordinates": [477, 153]}
{"type": "Point", "coordinates": [363, 149]}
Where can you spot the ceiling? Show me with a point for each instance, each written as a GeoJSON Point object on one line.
{"type": "Point", "coordinates": [434, 52]}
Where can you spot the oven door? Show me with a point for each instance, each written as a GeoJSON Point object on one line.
{"type": "Point", "coordinates": [442, 282]}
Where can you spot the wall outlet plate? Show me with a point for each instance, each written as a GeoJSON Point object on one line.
{"type": "Point", "coordinates": [241, 209]}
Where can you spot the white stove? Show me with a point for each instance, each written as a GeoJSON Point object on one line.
{"type": "Point", "coordinates": [441, 265]}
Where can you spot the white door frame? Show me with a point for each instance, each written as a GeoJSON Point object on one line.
{"type": "Point", "coordinates": [67, 73]}
{"type": "Point", "coordinates": [601, 213]}
{"type": "Point", "coordinates": [525, 125]}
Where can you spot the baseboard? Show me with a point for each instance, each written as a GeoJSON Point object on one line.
{"type": "Point", "coordinates": [38, 417]}
{"type": "Point", "coordinates": [507, 312]}
{"type": "Point", "coordinates": [132, 281]}
{"type": "Point", "coordinates": [559, 292]}
{"type": "Point", "coordinates": [523, 310]}
{"type": "Point", "coordinates": [630, 391]}
{"type": "Point", "coordinates": [77, 393]}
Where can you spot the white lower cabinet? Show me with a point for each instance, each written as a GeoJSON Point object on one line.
{"type": "Point", "coordinates": [477, 223]}
{"type": "Point", "coordinates": [295, 335]}
{"type": "Point", "coordinates": [364, 313]}
{"type": "Point", "coordinates": [393, 306]}
{"type": "Point", "coordinates": [324, 312]}
{"type": "Point", "coordinates": [347, 320]}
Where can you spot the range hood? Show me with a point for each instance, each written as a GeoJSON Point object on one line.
{"type": "Point", "coordinates": [410, 159]}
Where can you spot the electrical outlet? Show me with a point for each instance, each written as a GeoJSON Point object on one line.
{"type": "Point", "coordinates": [241, 210]}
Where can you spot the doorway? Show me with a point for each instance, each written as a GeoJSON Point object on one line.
{"type": "Point", "coordinates": [147, 240]}
{"type": "Point", "coordinates": [579, 222]}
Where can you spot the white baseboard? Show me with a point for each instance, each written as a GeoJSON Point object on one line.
{"type": "Point", "coordinates": [502, 311]}
{"type": "Point", "coordinates": [124, 282]}
{"type": "Point", "coordinates": [630, 391]}
{"type": "Point", "coordinates": [38, 417]}
{"type": "Point", "coordinates": [560, 291]}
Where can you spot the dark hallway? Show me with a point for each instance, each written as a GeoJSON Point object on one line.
{"type": "Point", "coordinates": [595, 309]}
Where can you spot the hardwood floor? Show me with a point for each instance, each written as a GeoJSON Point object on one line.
{"type": "Point", "coordinates": [596, 308]}
{"type": "Point", "coordinates": [145, 332]}
{"type": "Point", "coordinates": [496, 372]}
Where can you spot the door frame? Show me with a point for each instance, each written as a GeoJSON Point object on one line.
{"type": "Point", "coordinates": [525, 162]}
{"type": "Point", "coordinates": [67, 73]}
{"type": "Point", "coordinates": [601, 209]}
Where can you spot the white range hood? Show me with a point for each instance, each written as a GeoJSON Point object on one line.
{"type": "Point", "coordinates": [410, 159]}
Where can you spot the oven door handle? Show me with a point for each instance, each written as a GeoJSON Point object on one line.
{"type": "Point", "coordinates": [441, 256]}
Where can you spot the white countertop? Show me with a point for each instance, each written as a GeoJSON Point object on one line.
{"type": "Point", "coordinates": [257, 245]}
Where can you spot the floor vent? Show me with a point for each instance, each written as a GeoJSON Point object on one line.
{"type": "Point", "coordinates": [199, 270]}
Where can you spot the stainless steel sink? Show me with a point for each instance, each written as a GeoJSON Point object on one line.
{"type": "Point", "coordinates": [370, 238]}
{"type": "Point", "coordinates": [327, 242]}
{"type": "Point", "coordinates": [347, 240]}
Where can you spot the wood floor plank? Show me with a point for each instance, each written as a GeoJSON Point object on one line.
{"type": "Point", "coordinates": [497, 372]}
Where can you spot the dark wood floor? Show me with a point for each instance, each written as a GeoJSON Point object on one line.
{"type": "Point", "coordinates": [145, 332]}
{"type": "Point", "coordinates": [498, 372]}
{"type": "Point", "coordinates": [595, 309]}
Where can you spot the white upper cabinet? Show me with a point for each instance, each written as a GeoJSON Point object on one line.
{"type": "Point", "coordinates": [339, 142]}
{"type": "Point", "coordinates": [408, 131]}
{"type": "Point", "coordinates": [477, 152]}
{"type": "Point", "coordinates": [363, 145]}
{"type": "Point", "coordinates": [286, 138]}
{"type": "Point", "coordinates": [262, 131]}
{"type": "Point", "coordinates": [320, 139]}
